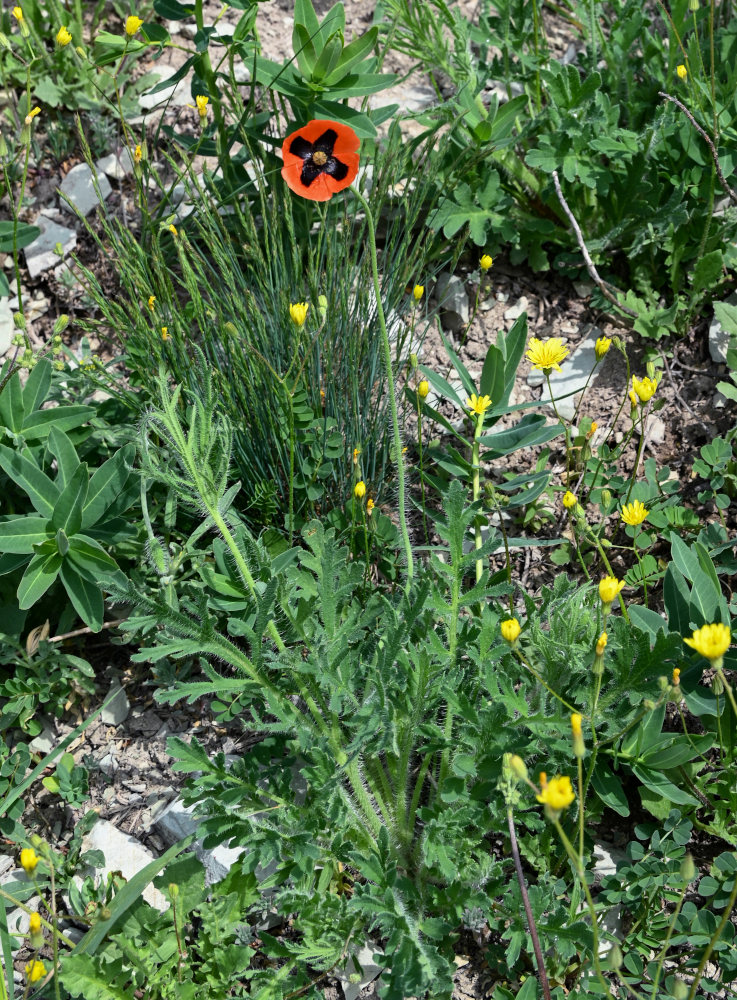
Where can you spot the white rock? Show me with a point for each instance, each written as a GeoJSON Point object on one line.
{"type": "Point", "coordinates": [45, 741]}
{"type": "Point", "coordinates": [575, 372]}
{"type": "Point", "coordinates": [117, 708]}
{"type": "Point", "coordinates": [41, 254]}
{"type": "Point", "coordinates": [719, 337]}
{"type": "Point", "coordinates": [108, 764]}
{"type": "Point", "coordinates": [515, 311]}
{"type": "Point", "coordinates": [116, 165]}
{"type": "Point", "coordinates": [655, 430]}
{"type": "Point", "coordinates": [353, 981]}
{"type": "Point", "coordinates": [452, 300]}
{"type": "Point", "coordinates": [7, 328]}
{"type": "Point", "coordinates": [177, 95]}
{"type": "Point", "coordinates": [177, 821]}
{"type": "Point", "coordinates": [124, 854]}
{"type": "Point", "coordinates": [718, 401]}
{"type": "Point", "coordinates": [583, 288]}
{"type": "Point", "coordinates": [79, 188]}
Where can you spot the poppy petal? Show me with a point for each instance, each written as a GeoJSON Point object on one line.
{"type": "Point", "coordinates": [334, 168]}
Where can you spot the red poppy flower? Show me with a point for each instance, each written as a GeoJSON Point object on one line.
{"type": "Point", "coordinates": [320, 159]}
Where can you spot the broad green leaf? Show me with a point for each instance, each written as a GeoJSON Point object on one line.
{"type": "Point", "coordinates": [86, 597]}
{"type": "Point", "coordinates": [647, 620]}
{"type": "Point", "coordinates": [90, 559]}
{"type": "Point", "coordinates": [106, 483]}
{"type": "Point", "coordinates": [661, 785]}
{"type": "Point", "coordinates": [609, 789]}
{"type": "Point", "coordinates": [22, 533]}
{"type": "Point", "coordinates": [67, 516]}
{"type": "Point", "coordinates": [12, 410]}
{"type": "Point", "coordinates": [40, 573]}
{"type": "Point", "coordinates": [304, 14]}
{"type": "Point", "coordinates": [676, 750]}
{"type": "Point", "coordinates": [492, 374]}
{"type": "Point", "coordinates": [25, 235]}
{"type": "Point", "coordinates": [66, 418]}
{"type": "Point", "coordinates": [677, 599]}
{"type": "Point", "coordinates": [304, 50]}
{"type": "Point", "coordinates": [361, 85]}
{"type": "Point", "coordinates": [42, 493]}
{"type": "Point", "coordinates": [726, 313]}
{"type": "Point", "coordinates": [354, 53]}
{"type": "Point", "coordinates": [328, 58]}
{"type": "Point", "coordinates": [37, 386]}
{"type": "Point", "coordinates": [531, 430]}
{"type": "Point", "coordinates": [65, 454]}
{"type": "Point", "coordinates": [173, 10]}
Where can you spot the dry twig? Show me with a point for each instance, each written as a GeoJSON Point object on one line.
{"type": "Point", "coordinates": [732, 195]}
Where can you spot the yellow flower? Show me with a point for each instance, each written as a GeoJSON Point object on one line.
{"type": "Point", "coordinates": [486, 262]}
{"type": "Point", "coordinates": [634, 513]}
{"type": "Point", "coordinates": [34, 924]}
{"type": "Point", "coordinates": [576, 721]}
{"type": "Point", "coordinates": [609, 588]}
{"type": "Point", "coordinates": [601, 347]}
{"type": "Point", "coordinates": [644, 388]}
{"type": "Point", "coordinates": [682, 72]}
{"type": "Point", "coordinates": [31, 115]}
{"type": "Point", "coordinates": [138, 154]}
{"type": "Point", "coordinates": [132, 25]}
{"type": "Point", "coordinates": [593, 429]}
{"type": "Point", "coordinates": [173, 230]}
{"type": "Point", "coordinates": [201, 102]}
{"type": "Point", "coordinates": [676, 677]}
{"type": "Point", "coordinates": [28, 860]}
{"type": "Point", "coordinates": [478, 404]}
{"type": "Point", "coordinates": [18, 13]}
{"type": "Point", "coordinates": [510, 630]}
{"type": "Point", "coordinates": [35, 970]}
{"type": "Point", "coordinates": [359, 490]}
{"type": "Point", "coordinates": [151, 300]}
{"type": "Point", "coordinates": [63, 37]}
{"type": "Point", "coordinates": [370, 505]}
{"type": "Point", "coordinates": [546, 354]}
{"type": "Point", "coordinates": [298, 312]}
{"type": "Point", "coordinates": [423, 389]}
{"type": "Point", "coordinates": [165, 335]}
{"type": "Point", "coordinates": [557, 793]}
{"type": "Point", "coordinates": [633, 397]}
{"type": "Point", "coordinates": [711, 641]}
{"type": "Point", "coordinates": [569, 500]}
{"type": "Point", "coordinates": [579, 748]}
{"type": "Point", "coordinates": [602, 640]}
{"type": "Point", "coordinates": [356, 453]}
{"type": "Point", "coordinates": [418, 291]}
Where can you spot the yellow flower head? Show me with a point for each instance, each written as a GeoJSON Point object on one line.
{"type": "Point", "coordinates": [645, 388]}
{"type": "Point", "coordinates": [601, 641]}
{"type": "Point", "coordinates": [711, 641]}
{"type": "Point", "coordinates": [34, 924]}
{"type": "Point", "coordinates": [510, 630]}
{"type": "Point", "coordinates": [356, 453]}
{"type": "Point", "coordinates": [634, 513]}
{"type": "Point", "coordinates": [423, 389]}
{"type": "Point", "coordinates": [576, 721]}
{"type": "Point", "coordinates": [298, 312]}
{"type": "Point", "coordinates": [601, 347]}
{"type": "Point", "coordinates": [151, 300]}
{"type": "Point", "coordinates": [132, 25]}
{"type": "Point", "coordinates": [35, 970]}
{"type": "Point", "coordinates": [138, 154]}
{"type": "Point", "coordinates": [28, 860]}
{"type": "Point", "coordinates": [593, 429]}
{"type": "Point", "coordinates": [609, 588]}
{"type": "Point", "coordinates": [165, 335]}
{"type": "Point", "coordinates": [579, 748]}
{"type": "Point", "coordinates": [486, 262]}
{"type": "Point", "coordinates": [418, 291]}
{"type": "Point", "coordinates": [173, 230]}
{"type": "Point", "coordinates": [478, 404]}
{"type": "Point", "coordinates": [63, 37]}
{"type": "Point", "coordinates": [359, 490]}
{"type": "Point", "coordinates": [557, 793]}
{"type": "Point", "coordinates": [676, 680]}
{"type": "Point", "coordinates": [31, 115]}
{"type": "Point", "coordinates": [633, 398]}
{"type": "Point", "coordinates": [569, 500]}
{"type": "Point", "coordinates": [18, 13]}
{"type": "Point", "coordinates": [682, 72]}
{"type": "Point", "coordinates": [201, 101]}
{"type": "Point", "coordinates": [546, 354]}
{"type": "Point", "coordinates": [370, 505]}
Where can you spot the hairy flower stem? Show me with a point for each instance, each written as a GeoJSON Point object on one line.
{"type": "Point", "coordinates": [391, 388]}
{"type": "Point", "coordinates": [542, 975]}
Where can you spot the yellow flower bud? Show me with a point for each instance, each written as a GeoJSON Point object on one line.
{"type": "Point", "coordinates": [298, 313]}
{"type": "Point", "coordinates": [137, 154]}
{"type": "Point", "coordinates": [63, 37]}
{"type": "Point", "coordinates": [601, 347]}
{"type": "Point", "coordinates": [579, 749]}
{"type": "Point", "coordinates": [518, 767]}
{"type": "Point", "coordinates": [31, 115]}
{"type": "Point", "coordinates": [423, 389]}
{"type": "Point", "coordinates": [682, 72]}
{"type": "Point", "coordinates": [486, 262]}
{"type": "Point", "coordinates": [609, 588]}
{"type": "Point", "coordinates": [569, 500]}
{"type": "Point", "coordinates": [370, 506]}
{"type": "Point", "coordinates": [359, 490]}
{"type": "Point", "coordinates": [201, 101]}
{"type": "Point", "coordinates": [29, 860]}
{"type": "Point", "coordinates": [151, 301]}
{"type": "Point", "coordinates": [35, 970]}
{"type": "Point", "coordinates": [132, 25]}
{"type": "Point", "coordinates": [510, 629]}
{"type": "Point", "coordinates": [418, 291]}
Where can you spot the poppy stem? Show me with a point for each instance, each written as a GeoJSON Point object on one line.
{"type": "Point", "coordinates": [392, 392]}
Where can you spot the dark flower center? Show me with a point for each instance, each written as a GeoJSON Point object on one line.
{"type": "Point", "coordinates": [317, 157]}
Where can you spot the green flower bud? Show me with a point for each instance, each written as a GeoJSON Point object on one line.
{"type": "Point", "coordinates": [616, 958]}
{"type": "Point", "coordinates": [19, 321]}
{"type": "Point", "coordinates": [688, 869]}
{"type": "Point", "coordinates": [60, 326]}
{"type": "Point", "coordinates": [173, 890]}
{"type": "Point", "coordinates": [680, 989]}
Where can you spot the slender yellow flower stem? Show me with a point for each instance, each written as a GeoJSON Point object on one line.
{"type": "Point", "coordinates": [580, 806]}
{"type": "Point", "coordinates": [391, 389]}
{"type": "Point", "coordinates": [49, 926]}
{"type": "Point", "coordinates": [422, 470]}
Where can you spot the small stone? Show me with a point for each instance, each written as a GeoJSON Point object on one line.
{"type": "Point", "coordinates": [45, 741]}
{"type": "Point", "coordinates": [108, 764]}
{"type": "Point", "coordinates": [655, 431]}
{"type": "Point", "coordinates": [583, 288]}
{"type": "Point", "coordinates": [452, 300]}
{"type": "Point", "coordinates": [118, 706]}
{"type": "Point", "coordinates": [719, 338]}
{"type": "Point", "coordinates": [516, 310]}
{"type": "Point", "coordinates": [177, 95]}
{"type": "Point", "coordinates": [41, 254]}
{"type": "Point", "coordinates": [124, 854]}
{"type": "Point", "coordinates": [177, 821]}
{"type": "Point", "coordinates": [576, 371]}
{"type": "Point", "coordinates": [79, 187]}
{"type": "Point", "coordinates": [116, 165]}
{"type": "Point", "coordinates": [718, 400]}
{"type": "Point", "coordinates": [351, 980]}
{"type": "Point", "coordinates": [416, 98]}
{"type": "Point", "coordinates": [7, 328]}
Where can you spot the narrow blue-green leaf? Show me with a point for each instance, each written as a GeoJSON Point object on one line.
{"type": "Point", "coordinates": [90, 559]}
{"type": "Point", "coordinates": [20, 534]}
{"type": "Point", "coordinates": [24, 235]}
{"type": "Point", "coordinates": [65, 454]}
{"type": "Point", "coordinates": [42, 493]}
{"type": "Point", "coordinates": [86, 597]}
{"type": "Point", "coordinates": [40, 573]}
{"type": "Point", "coordinates": [609, 789]}
{"type": "Point", "coordinates": [66, 418]}
{"type": "Point", "coordinates": [492, 374]}
{"type": "Point", "coordinates": [12, 411]}
{"type": "Point", "coordinates": [37, 386]}
{"type": "Point", "coordinates": [661, 785]}
{"type": "Point", "coordinates": [67, 516]}
{"type": "Point", "coordinates": [105, 485]}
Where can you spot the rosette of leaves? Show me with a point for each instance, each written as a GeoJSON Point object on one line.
{"type": "Point", "coordinates": [73, 515]}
